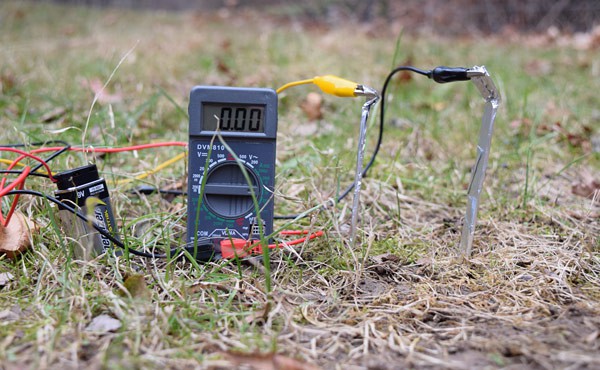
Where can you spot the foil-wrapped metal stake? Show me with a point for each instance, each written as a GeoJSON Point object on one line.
{"type": "Point", "coordinates": [489, 92]}
{"type": "Point", "coordinates": [372, 98]}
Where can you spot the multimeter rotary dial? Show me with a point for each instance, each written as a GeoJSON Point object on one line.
{"type": "Point", "coordinates": [227, 192]}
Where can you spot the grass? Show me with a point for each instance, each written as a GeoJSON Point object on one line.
{"type": "Point", "coordinates": [529, 296]}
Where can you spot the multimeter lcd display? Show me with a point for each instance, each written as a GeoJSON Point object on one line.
{"type": "Point", "coordinates": [233, 117]}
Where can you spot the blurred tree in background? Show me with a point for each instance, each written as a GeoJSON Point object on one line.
{"type": "Point", "coordinates": [453, 16]}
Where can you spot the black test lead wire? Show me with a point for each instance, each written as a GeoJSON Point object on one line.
{"type": "Point", "coordinates": [348, 189]}
{"type": "Point", "coordinates": [65, 148]}
{"type": "Point", "coordinates": [117, 242]}
{"type": "Point", "coordinates": [439, 74]}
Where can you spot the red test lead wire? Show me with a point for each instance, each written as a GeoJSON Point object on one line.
{"type": "Point", "coordinates": [13, 206]}
{"type": "Point", "coordinates": [28, 155]}
{"type": "Point", "coordinates": [114, 150]}
{"type": "Point", "coordinates": [232, 248]}
{"type": "Point", "coordinates": [19, 181]}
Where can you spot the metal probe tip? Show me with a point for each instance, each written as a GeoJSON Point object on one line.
{"type": "Point", "coordinates": [363, 90]}
{"type": "Point", "coordinates": [476, 71]}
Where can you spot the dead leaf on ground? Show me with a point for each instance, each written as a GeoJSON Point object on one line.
{"type": "Point", "coordinates": [259, 314]}
{"type": "Point", "coordinates": [386, 257]}
{"type": "Point", "coordinates": [103, 96]}
{"type": "Point", "coordinates": [312, 106]}
{"type": "Point", "coordinates": [425, 261]}
{"type": "Point", "coordinates": [69, 30]}
{"type": "Point", "coordinates": [204, 285]}
{"type": "Point", "coordinates": [5, 278]}
{"type": "Point", "coordinates": [587, 186]}
{"type": "Point", "coordinates": [7, 82]}
{"type": "Point", "coordinates": [593, 337]}
{"type": "Point", "coordinates": [405, 76]}
{"type": "Point", "coordinates": [538, 67]}
{"type": "Point", "coordinates": [580, 141]}
{"type": "Point", "coordinates": [556, 111]}
{"type": "Point", "coordinates": [268, 361]}
{"type": "Point", "coordinates": [226, 45]}
{"type": "Point", "coordinates": [136, 286]}
{"type": "Point", "coordinates": [177, 186]}
{"type": "Point", "coordinates": [544, 129]}
{"type": "Point", "coordinates": [579, 137]}
{"type": "Point", "coordinates": [53, 115]}
{"type": "Point", "coordinates": [584, 216]}
{"type": "Point", "coordinates": [14, 238]}
{"type": "Point", "coordinates": [8, 315]}
{"type": "Point", "coordinates": [521, 125]}
{"type": "Point", "coordinates": [223, 67]}
{"type": "Point", "coordinates": [103, 324]}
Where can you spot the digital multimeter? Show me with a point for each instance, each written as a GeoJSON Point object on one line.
{"type": "Point", "coordinates": [220, 203]}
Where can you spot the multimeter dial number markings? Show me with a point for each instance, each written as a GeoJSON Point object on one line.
{"type": "Point", "coordinates": [227, 192]}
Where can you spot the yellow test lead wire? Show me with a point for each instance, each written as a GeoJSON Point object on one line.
{"type": "Point", "coordinates": [9, 162]}
{"type": "Point", "coordinates": [126, 181]}
{"type": "Point", "coordinates": [161, 166]}
{"type": "Point", "coordinates": [292, 84]}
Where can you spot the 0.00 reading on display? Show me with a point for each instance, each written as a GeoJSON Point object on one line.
{"type": "Point", "coordinates": [238, 117]}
